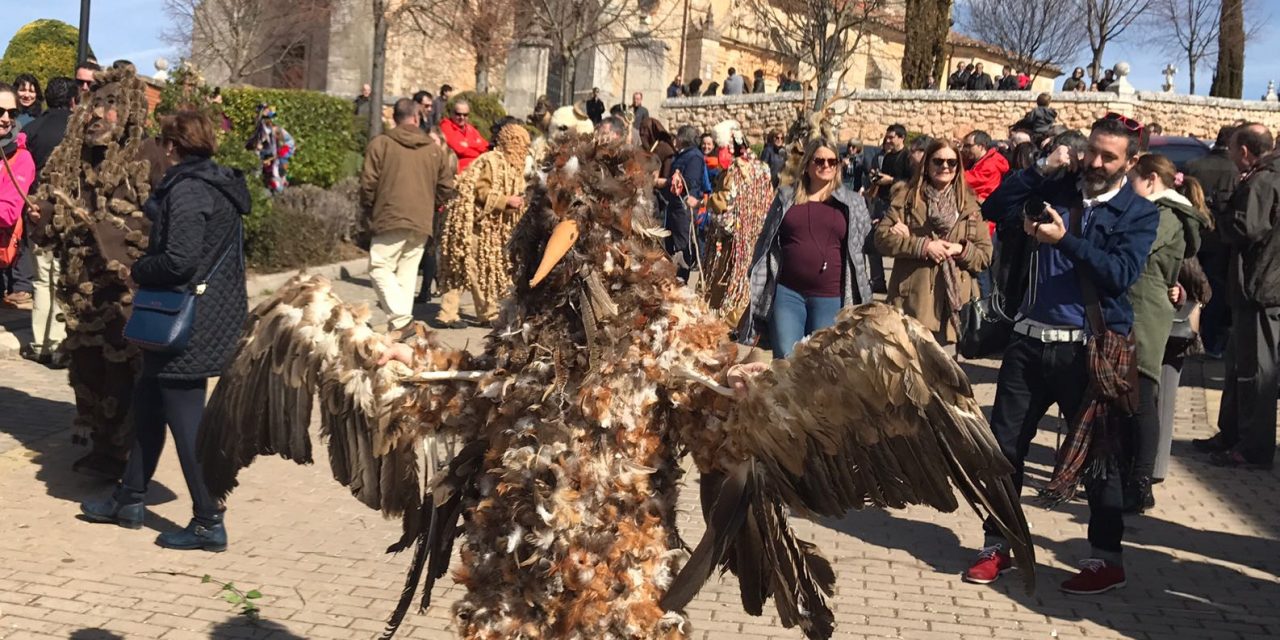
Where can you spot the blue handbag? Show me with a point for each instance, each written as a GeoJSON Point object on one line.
{"type": "Point", "coordinates": [162, 318]}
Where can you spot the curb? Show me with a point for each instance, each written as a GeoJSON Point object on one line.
{"type": "Point", "coordinates": [257, 285]}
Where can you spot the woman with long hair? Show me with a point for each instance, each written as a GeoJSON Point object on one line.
{"type": "Point", "coordinates": [30, 98]}
{"type": "Point", "coordinates": [809, 260]}
{"type": "Point", "coordinates": [196, 244]}
{"type": "Point", "coordinates": [1155, 297]}
{"type": "Point", "coordinates": [935, 233]}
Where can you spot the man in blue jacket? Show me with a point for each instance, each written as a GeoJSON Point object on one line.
{"type": "Point", "coordinates": [685, 190]}
{"type": "Point", "coordinates": [1046, 361]}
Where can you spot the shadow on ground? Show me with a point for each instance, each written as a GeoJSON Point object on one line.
{"type": "Point", "coordinates": [242, 627]}
{"type": "Point", "coordinates": [41, 427]}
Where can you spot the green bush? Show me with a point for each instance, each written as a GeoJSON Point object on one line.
{"type": "Point", "coordinates": [43, 48]}
{"type": "Point", "coordinates": [486, 109]}
{"type": "Point", "coordinates": [321, 126]}
{"type": "Point", "coordinates": [308, 226]}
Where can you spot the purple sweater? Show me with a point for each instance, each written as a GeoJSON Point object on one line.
{"type": "Point", "coordinates": [812, 238]}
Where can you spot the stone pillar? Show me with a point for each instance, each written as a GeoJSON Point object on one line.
{"type": "Point", "coordinates": [702, 52]}
{"type": "Point", "coordinates": [595, 69]}
{"type": "Point", "coordinates": [1122, 86]}
{"type": "Point", "coordinates": [646, 71]}
{"type": "Point", "coordinates": [350, 55]}
{"type": "Point", "coordinates": [526, 77]}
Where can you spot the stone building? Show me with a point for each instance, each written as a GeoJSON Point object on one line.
{"type": "Point", "coordinates": [692, 38]}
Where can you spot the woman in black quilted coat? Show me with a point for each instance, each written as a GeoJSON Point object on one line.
{"type": "Point", "coordinates": [195, 215]}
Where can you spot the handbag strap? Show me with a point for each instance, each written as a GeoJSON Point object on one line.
{"type": "Point", "coordinates": [9, 170]}
{"type": "Point", "coordinates": [226, 251]}
{"type": "Point", "coordinates": [1092, 308]}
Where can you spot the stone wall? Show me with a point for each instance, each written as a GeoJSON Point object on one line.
{"type": "Point", "coordinates": [952, 114]}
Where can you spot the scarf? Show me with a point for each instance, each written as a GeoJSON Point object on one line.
{"type": "Point", "coordinates": [942, 214]}
{"type": "Point", "coordinates": [9, 141]}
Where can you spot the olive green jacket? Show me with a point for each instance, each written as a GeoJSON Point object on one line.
{"type": "Point", "coordinates": [1177, 237]}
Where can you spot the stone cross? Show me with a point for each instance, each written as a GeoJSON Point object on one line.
{"type": "Point", "coordinates": [1169, 72]}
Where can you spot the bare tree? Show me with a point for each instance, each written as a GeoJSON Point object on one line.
{"type": "Point", "coordinates": [382, 15]}
{"type": "Point", "coordinates": [573, 27]}
{"type": "Point", "coordinates": [927, 23]}
{"type": "Point", "coordinates": [243, 37]}
{"type": "Point", "coordinates": [1228, 76]}
{"type": "Point", "coordinates": [484, 28]}
{"type": "Point", "coordinates": [1195, 31]}
{"type": "Point", "coordinates": [823, 35]}
{"type": "Point", "coordinates": [1037, 34]}
{"type": "Point", "coordinates": [1105, 21]}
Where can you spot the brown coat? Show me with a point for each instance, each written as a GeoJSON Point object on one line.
{"type": "Point", "coordinates": [406, 175]}
{"type": "Point", "coordinates": [917, 285]}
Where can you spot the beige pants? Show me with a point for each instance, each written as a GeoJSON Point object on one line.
{"type": "Point", "coordinates": [451, 303]}
{"type": "Point", "coordinates": [394, 257]}
{"type": "Point", "coordinates": [46, 329]}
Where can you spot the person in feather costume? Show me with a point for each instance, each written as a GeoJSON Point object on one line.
{"type": "Point", "coordinates": [738, 208]}
{"type": "Point", "coordinates": [602, 372]}
{"type": "Point", "coordinates": [477, 225]}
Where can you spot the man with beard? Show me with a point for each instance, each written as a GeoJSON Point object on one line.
{"type": "Point", "coordinates": [1094, 232]}
{"type": "Point", "coordinates": [91, 197]}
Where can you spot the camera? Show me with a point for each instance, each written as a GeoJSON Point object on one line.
{"type": "Point", "coordinates": [1034, 210]}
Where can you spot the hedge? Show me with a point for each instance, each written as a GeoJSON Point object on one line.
{"type": "Point", "coordinates": [43, 48]}
{"type": "Point", "coordinates": [321, 126]}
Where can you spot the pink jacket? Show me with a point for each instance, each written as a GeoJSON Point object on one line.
{"type": "Point", "coordinates": [24, 169]}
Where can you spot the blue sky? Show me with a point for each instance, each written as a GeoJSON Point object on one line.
{"type": "Point", "coordinates": [131, 29]}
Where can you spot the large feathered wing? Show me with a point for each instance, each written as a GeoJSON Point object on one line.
{"type": "Point", "coordinates": [869, 412]}
{"type": "Point", "coordinates": [303, 345]}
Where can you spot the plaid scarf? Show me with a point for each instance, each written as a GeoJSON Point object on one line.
{"type": "Point", "coordinates": [1092, 446]}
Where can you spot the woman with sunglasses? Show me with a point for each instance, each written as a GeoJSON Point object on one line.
{"type": "Point", "coordinates": [809, 259]}
{"type": "Point", "coordinates": [935, 233]}
{"type": "Point", "coordinates": [30, 100]}
{"type": "Point", "coordinates": [17, 172]}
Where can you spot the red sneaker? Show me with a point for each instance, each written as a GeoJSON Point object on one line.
{"type": "Point", "coordinates": [1096, 576]}
{"type": "Point", "coordinates": [991, 563]}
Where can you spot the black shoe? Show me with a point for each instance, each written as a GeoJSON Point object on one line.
{"type": "Point", "coordinates": [58, 361]}
{"type": "Point", "coordinates": [99, 465]}
{"type": "Point", "coordinates": [455, 324]}
{"type": "Point", "coordinates": [1138, 496]}
{"type": "Point", "coordinates": [129, 516]}
{"type": "Point", "coordinates": [1211, 445]}
{"type": "Point", "coordinates": [1233, 459]}
{"type": "Point", "coordinates": [197, 535]}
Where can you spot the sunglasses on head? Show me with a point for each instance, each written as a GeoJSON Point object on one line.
{"type": "Point", "coordinates": [826, 162]}
{"type": "Point", "coordinates": [949, 163]}
{"type": "Point", "coordinates": [1129, 123]}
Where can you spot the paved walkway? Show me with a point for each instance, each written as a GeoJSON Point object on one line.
{"type": "Point", "coordinates": [1203, 564]}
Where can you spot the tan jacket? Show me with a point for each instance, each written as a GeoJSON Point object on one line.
{"type": "Point", "coordinates": [406, 175]}
{"type": "Point", "coordinates": [917, 285]}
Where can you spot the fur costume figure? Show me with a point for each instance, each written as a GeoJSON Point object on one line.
{"type": "Point", "coordinates": [738, 208]}
{"type": "Point", "coordinates": [93, 188]}
{"type": "Point", "coordinates": [603, 372]}
{"type": "Point", "coordinates": [478, 224]}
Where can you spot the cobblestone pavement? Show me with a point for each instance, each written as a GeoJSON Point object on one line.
{"type": "Point", "coordinates": [1203, 564]}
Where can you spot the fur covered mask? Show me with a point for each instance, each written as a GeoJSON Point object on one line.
{"type": "Point", "coordinates": [112, 107]}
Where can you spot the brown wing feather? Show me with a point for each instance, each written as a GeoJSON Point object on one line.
{"type": "Point", "coordinates": [869, 412]}
{"type": "Point", "coordinates": [303, 344]}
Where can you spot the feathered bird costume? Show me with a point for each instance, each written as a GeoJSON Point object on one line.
{"type": "Point", "coordinates": [602, 373]}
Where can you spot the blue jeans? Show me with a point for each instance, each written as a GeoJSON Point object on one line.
{"type": "Point", "coordinates": [796, 316]}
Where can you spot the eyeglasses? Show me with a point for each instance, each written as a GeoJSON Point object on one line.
{"type": "Point", "coordinates": [1129, 123]}
{"type": "Point", "coordinates": [13, 113]}
{"type": "Point", "coordinates": [460, 115]}
{"type": "Point", "coordinates": [826, 162]}
{"type": "Point", "coordinates": [949, 163]}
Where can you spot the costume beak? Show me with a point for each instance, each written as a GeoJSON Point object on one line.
{"type": "Point", "coordinates": [562, 239]}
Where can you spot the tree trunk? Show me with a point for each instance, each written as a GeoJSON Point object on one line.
{"type": "Point", "coordinates": [927, 23]}
{"type": "Point", "coordinates": [1228, 78]}
{"type": "Point", "coordinates": [377, 75]}
{"type": "Point", "coordinates": [482, 71]}
{"type": "Point", "coordinates": [1191, 73]}
{"type": "Point", "coordinates": [1095, 66]}
{"type": "Point", "coordinates": [568, 69]}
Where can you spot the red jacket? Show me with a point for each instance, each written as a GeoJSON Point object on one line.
{"type": "Point", "coordinates": [985, 174]}
{"type": "Point", "coordinates": [466, 142]}
{"type": "Point", "coordinates": [11, 194]}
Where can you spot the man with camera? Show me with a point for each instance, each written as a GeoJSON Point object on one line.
{"type": "Point", "coordinates": [1072, 341]}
